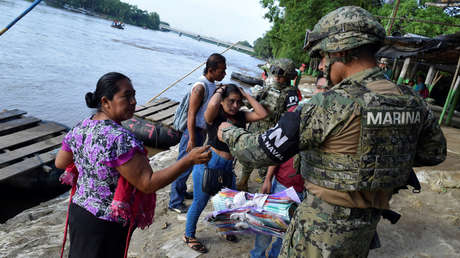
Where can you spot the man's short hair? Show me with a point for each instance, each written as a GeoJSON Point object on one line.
{"type": "Point", "coordinates": [213, 62]}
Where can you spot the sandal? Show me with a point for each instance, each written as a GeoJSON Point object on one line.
{"type": "Point", "coordinates": [229, 237]}
{"type": "Point", "coordinates": [195, 244]}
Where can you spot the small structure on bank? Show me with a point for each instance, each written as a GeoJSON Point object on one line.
{"type": "Point", "coordinates": [439, 54]}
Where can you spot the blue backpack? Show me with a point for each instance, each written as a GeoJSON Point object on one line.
{"type": "Point", "coordinates": [180, 117]}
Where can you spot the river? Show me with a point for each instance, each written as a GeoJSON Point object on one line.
{"type": "Point", "coordinates": [52, 57]}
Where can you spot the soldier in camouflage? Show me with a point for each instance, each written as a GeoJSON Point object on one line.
{"type": "Point", "coordinates": [277, 97]}
{"type": "Point", "coordinates": [357, 142]}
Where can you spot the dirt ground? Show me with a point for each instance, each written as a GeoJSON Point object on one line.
{"type": "Point", "coordinates": [429, 227]}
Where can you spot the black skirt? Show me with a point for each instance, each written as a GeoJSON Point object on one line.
{"type": "Point", "coordinates": [94, 237]}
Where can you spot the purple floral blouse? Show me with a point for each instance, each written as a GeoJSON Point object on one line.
{"type": "Point", "coordinates": [98, 146]}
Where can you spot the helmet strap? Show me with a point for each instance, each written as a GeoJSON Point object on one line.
{"type": "Point", "coordinates": [329, 61]}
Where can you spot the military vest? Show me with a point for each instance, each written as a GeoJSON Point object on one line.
{"type": "Point", "coordinates": [390, 127]}
{"type": "Point", "coordinates": [274, 101]}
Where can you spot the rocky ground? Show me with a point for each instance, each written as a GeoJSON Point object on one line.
{"type": "Point", "coordinates": [429, 227]}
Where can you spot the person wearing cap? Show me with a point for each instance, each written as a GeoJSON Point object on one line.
{"type": "Point", "coordinates": [299, 71]}
{"type": "Point", "coordinates": [357, 143]}
{"type": "Point", "coordinates": [277, 97]}
{"type": "Point", "coordinates": [383, 64]}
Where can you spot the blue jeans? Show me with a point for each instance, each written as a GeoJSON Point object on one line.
{"type": "Point", "coordinates": [200, 199]}
{"type": "Point", "coordinates": [262, 241]}
{"type": "Point", "coordinates": [179, 186]}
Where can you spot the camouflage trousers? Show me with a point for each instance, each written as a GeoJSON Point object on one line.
{"type": "Point", "coordinates": [320, 229]}
{"type": "Point", "coordinates": [247, 171]}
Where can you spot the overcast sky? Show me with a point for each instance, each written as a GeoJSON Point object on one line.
{"type": "Point", "coordinates": [229, 20]}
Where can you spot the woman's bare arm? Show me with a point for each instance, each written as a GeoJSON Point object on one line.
{"type": "Point", "coordinates": [259, 111]}
{"type": "Point", "coordinates": [213, 106]}
{"type": "Point", "coordinates": [63, 159]}
{"type": "Point", "coordinates": [139, 173]}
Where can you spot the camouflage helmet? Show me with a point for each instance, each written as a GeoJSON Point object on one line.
{"type": "Point", "coordinates": [345, 28]}
{"type": "Point", "coordinates": [283, 67]}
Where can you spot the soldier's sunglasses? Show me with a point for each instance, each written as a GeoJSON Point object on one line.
{"type": "Point", "coordinates": [311, 38]}
{"type": "Point", "coordinates": [306, 41]}
{"type": "Point", "coordinates": [277, 71]}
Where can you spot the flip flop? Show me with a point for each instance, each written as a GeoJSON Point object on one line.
{"type": "Point", "coordinates": [195, 244]}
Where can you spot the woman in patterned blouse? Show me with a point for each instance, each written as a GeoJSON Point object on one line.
{"type": "Point", "coordinates": [103, 151]}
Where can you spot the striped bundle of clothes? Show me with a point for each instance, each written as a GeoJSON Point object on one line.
{"type": "Point", "coordinates": [242, 212]}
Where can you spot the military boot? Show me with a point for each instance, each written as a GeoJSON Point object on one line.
{"type": "Point", "coordinates": [242, 184]}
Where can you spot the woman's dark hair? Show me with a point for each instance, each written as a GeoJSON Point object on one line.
{"type": "Point", "coordinates": [213, 62]}
{"type": "Point", "coordinates": [106, 86]}
{"type": "Point", "coordinates": [230, 88]}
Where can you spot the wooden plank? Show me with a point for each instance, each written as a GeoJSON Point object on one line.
{"type": "Point", "coordinates": [154, 103]}
{"type": "Point", "coordinates": [31, 149]}
{"type": "Point", "coordinates": [11, 125]}
{"type": "Point", "coordinates": [168, 121]}
{"type": "Point", "coordinates": [155, 109]}
{"type": "Point", "coordinates": [11, 113]}
{"type": "Point", "coordinates": [29, 134]}
{"type": "Point", "coordinates": [157, 102]}
{"type": "Point", "coordinates": [162, 115]}
{"type": "Point", "coordinates": [27, 164]}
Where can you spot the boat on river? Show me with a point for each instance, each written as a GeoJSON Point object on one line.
{"type": "Point", "coordinates": [118, 26]}
{"type": "Point", "coordinates": [251, 80]}
{"type": "Point", "coordinates": [152, 124]}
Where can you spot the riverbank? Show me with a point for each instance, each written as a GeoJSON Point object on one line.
{"type": "Point", "coordinates": [429, 227]}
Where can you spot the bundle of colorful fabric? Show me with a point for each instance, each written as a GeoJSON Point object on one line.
{"type": "Point", "coordinates": [242, 212]}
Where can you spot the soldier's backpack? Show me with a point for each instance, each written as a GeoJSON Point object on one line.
{"type": "Point", "coordinates": [180, 117]}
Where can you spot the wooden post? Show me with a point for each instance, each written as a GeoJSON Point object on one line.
{"type": "Point", "coordinates": [454, 103]}
{"type": "Point", "coordinates": [413, 72]}
{"type": "Point", "coordinates": [392, 20]}
{"type": "Point", "coordinates": [393, 69]}
{"type": "Point", "coordinates": [404, 70]}
{"type": "Point", "coordinates": [310, 70]}
{"type": "Point", "coordinates": [429, 77]}
{"type": "Point", "coordinates": [449, 96]}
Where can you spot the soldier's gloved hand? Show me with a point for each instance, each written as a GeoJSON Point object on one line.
{"type": "Point", "coordinates": [222, 127]}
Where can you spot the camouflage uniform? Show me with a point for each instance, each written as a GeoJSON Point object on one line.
{"type": "Point", "coordinates": [395, 130]}
{"type": "Point", "coordinates": [276, 98]}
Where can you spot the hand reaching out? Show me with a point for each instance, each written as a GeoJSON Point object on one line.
{"type": "Point", "coordinates": [200, 155]}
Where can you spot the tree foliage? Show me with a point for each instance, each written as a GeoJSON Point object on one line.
{"type": "Point", "coordinates": [244, 43]}
{"type": "Point", "coordinates": [115, 9]}
{"type": "Point", "coordinates": [291, 18]}
{"type": "Point", "coordinates": [409, 9]}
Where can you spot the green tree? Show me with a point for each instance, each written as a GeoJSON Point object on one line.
{"type": "Point", "coordinates": [409, 9]}
{"type": "Point", "coordinates": [115, 9]}
{"type": "Point", "coordinates": [291, 18]}
{"type": "Point", "coordinates": [262, 47]}
{"type": "Point", "coordinates": [244, 43]}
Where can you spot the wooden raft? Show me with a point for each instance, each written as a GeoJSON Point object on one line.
{"type": "Point", "coordinates": [26, 142]}
{"type": "Point", "coordinates": [160, 110]}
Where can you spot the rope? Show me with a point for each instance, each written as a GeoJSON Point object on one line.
{"type": "Point", "coordinates": [183, 77]}
{"type": "Point", "coordinates": [128, 238]}
{"type": "Point", "coordinates": [72, 192]}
